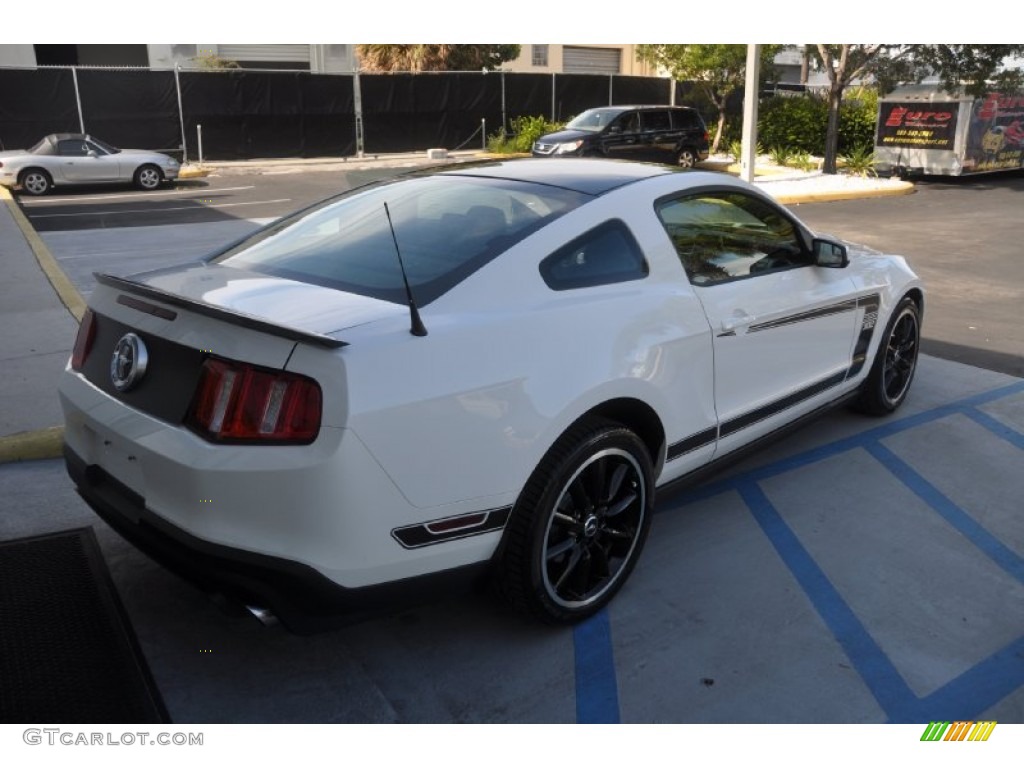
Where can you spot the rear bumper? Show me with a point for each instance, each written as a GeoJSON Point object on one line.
{"type": "Point", "coordinates": [300, 596]}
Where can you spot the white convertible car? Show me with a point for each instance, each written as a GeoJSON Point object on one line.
{"type": "Point", "coordinates": [484, 369]}
{"type": "Point", "coordinates": [67, 159]}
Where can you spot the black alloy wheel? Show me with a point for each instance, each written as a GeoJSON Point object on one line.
{"type": "Point", "coordinates": [580, 524]}
{"type": "Point", "coordinates": [888, 383]}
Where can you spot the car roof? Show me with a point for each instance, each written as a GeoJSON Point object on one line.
{"type": "Point", "coordinates": [625, 107]}
{"type": "Point", "coordinates": [589, 176]}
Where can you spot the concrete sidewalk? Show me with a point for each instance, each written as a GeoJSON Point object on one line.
{"type": "Point", "coordinates": [39, 331]}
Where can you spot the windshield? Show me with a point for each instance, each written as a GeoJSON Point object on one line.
{"type": "Point", "coordinates": [104, 146]}
{"type": "Point", "coordinates": [447, 227]}
{"type": "Point", "coordinates": [593, 119]}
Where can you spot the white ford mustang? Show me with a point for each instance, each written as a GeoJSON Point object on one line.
{"type": "Point", "coordinates": [489, 368]}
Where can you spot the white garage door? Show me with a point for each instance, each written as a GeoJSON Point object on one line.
{"type": "Point", "coordinates": [267, 53]}
{"type": "Point", "coordinates": [599, 61]}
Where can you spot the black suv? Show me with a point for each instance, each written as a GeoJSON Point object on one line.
{"type": "Point", "coordinates": [658, 133]}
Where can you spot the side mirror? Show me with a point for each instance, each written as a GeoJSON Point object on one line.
{"type": "Point", "coordinates": [614, 129]}
{"type": "Point", "coordinates": [91, 153]}
{"type": "Point", "coordinates": [829, 253]}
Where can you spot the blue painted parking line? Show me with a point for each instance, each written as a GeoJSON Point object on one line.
{"type": "Point", "coordinates": [967, 696]}
{"type": "Point", "coordinates": [597, 692]}
{"type": "Point", "coordinates": [879, 674]}
{"type": "Point", "coordinates": [964, 697]}
{"type": "Point", "coordinates": [973, 531]}
{"type": "Point", "coordinates": [996, 427]}
{"type": "Point", "coordinates": [860, 440]}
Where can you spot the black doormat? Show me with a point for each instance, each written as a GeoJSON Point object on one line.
{"type": "Point", "coordinates": [68, 653]}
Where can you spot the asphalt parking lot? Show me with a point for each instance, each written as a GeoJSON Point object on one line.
{"type": "Point", "coordinates": [858, 571]}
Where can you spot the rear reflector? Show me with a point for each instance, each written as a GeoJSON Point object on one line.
{"type": "Point", "coordinates": [240, 403]}
{"type": "Point", "coordinates": [84, 339]}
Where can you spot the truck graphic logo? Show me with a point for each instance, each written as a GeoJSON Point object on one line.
{"type": "Point", "coordinates": [902, 116]}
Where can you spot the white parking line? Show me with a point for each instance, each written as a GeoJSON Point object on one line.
{"type": "Point", "coordinates": [203, 191]}
{"type": "Point", "coordinates": [157, 210]}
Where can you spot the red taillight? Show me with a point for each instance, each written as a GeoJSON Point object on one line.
{"type": "Point", "coordinates": [84, 339]}
{"type": "Point", "coordinates": [235, 402]}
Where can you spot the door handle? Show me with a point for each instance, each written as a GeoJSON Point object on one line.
{"type": "Point", "coordinates": [732, 324]}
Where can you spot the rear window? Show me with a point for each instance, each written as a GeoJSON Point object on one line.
{"type": "Point", "coordinates": [683, 118]}
{"type": "Point", "coordinates": [447, 227]}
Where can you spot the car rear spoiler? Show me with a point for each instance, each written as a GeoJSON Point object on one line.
{"type": "Point", "coordinates": [209, 310]}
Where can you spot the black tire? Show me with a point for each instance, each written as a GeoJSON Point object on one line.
{"type": "Point", "coordinates": [35, 181]}
{"type": "Point", "coordinates": [579, 524]}
{"type": "Point", "coordinates": [686, 158]}
{"type": "Point", "coordinates": [887, 384]}
{"type": "Point", "coordinates": [148, 178]}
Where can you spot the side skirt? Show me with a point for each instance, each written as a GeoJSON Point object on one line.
{"type": "Point", "coordinates": [716, 465]}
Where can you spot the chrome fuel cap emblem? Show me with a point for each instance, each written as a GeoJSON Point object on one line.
{"type": "Point", "coordinates": [128, 363]}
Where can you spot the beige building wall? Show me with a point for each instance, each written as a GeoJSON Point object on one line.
{"type": "Point", "coordinates": [555, 60]}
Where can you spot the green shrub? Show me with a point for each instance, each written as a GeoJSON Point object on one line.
{"type": "Point", "coordinates": [780, 155]}
{"type": "Point", "coordinates": [525, 131]}
{"type": "Point", "coordinates": [860, 161]}
{"type": "Point", "coordinates": [736, 149]}
{"type": "Point", "coordinates": [800, 122]}
{"type": "Point", "coordinates": [803, 161]}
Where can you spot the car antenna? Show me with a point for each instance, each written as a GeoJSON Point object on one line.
{"type": "Point", "coordinates": [417, 329]}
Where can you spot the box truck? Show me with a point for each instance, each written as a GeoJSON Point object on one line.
{"type": "Point", "coordinates": [923, 130]}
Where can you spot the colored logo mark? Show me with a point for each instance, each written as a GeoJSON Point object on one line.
{"type": "Point", "coordinates": [959, 731]}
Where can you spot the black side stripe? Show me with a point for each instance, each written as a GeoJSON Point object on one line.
{"type": "Point", "coordinates": [692, 443]}
{"type": "Point", "coordinates": [435, 531]}
{"type": "Point", "coordinates": [867, 330]}
{"type": "Point", "coordinates": [764, 412]}
{"type": "Point", "coordinates": [814, 314]}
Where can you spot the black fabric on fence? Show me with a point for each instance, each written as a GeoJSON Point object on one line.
{"type": "Point", "coordinates": [247, 114]}
{"type": "Point", "coordinates": [575, 93]}
{"type": "Point", "coordinates": [268, 114]}
{"type": "Point", "coordinates": [410, 112]}
{"type": "Point", "coordinates": [527, 95]}
{"type": "Point", "coordinates": [135, 109]}
{"type": "Point", "coordinates": [640, 90]}
{"type": "Point", "coordinates": [35, 103]}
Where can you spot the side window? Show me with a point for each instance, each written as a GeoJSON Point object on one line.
{"type": "Point", "coordinates": [626, 123]}
{"type": "Point", "coordinates": [71, 148]}
{"type": "Point", "coordinates": [684, 119]}
{"type": "Point", "coordinates": [606, 254]}
{"type": "Point", "coordinates": [657, 120]}
{"type": "Point", "coordinates": [722, 236]}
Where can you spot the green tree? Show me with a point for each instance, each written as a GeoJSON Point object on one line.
{"type": "Point", "coordinates": [718, 70]}
{"type": "Point", "coordinates": [433, 57]}
{"type": "Point", "coordinates": [967, 65]}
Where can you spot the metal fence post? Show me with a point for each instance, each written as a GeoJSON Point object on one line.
{"type": "Point", "coordinates": [78, 100]}
{"type": "Point", "coordinates": [672, 91]}
{"type": "Point", "coordinates": [357, 97]}
{"type": "Point", "coordinates": [553, 118]}
{"type": "Point", "coordinates": [199, 134]}
{"type": "Point", "coordinates": [611, 91]}
{"type": "Point", "coordinates": [483, 133]}
{"type": "Point", "coordinates": [181, 114]}
{"type": "Point", "coordinates": [504, 117]}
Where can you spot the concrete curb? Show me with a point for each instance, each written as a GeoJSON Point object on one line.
{"type": "Point", "coordinates": [906, 188]}
{"type": "Point", "coordinates": [194, 172]}
{"type": "Point", "coordinates": [65, 289]}
{"type": "Point", "coordinates": [31, 446]}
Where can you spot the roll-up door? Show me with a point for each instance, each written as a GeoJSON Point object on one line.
{"type": "Point", "coordinates": [268, 53]}
{"type": "Point", "coordinates": [600, 61]}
